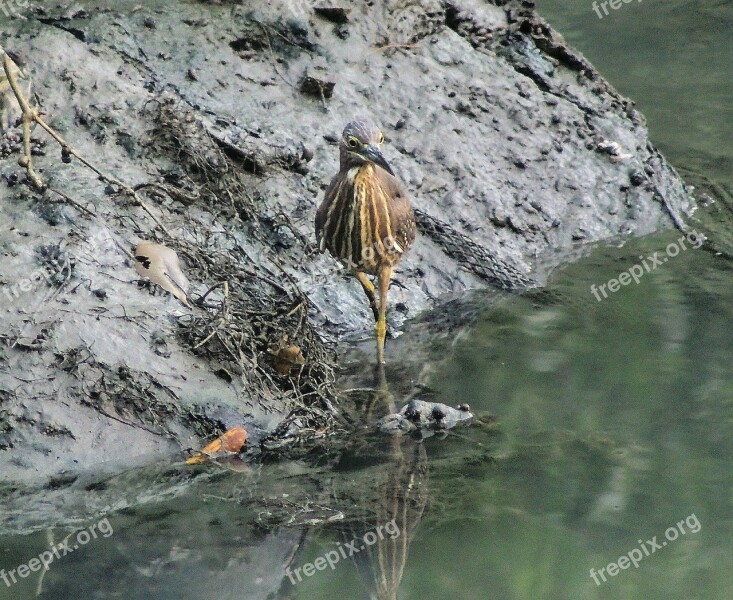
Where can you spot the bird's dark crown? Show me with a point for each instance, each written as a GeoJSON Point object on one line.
{"type": "Point", "coordinates": [363, 131]}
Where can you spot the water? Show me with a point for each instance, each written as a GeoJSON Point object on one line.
{"type": "Point", "coordinates": [613, 419]}
{"type": "Point", "coordinates": [674, 58]}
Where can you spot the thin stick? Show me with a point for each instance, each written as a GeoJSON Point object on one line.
{"type": "Point", "coordinates": [222, 321]}
{"type": "Point", "coordinates": [73, 202]}
{"type": "Point", "coordinates": [393, 47]}
{"type": "Point", "coordinates": [28, 118]}
{"type": "Point", "coordinates": [200, 301]}
{"type": "Point", "coordinates": [31, 115]}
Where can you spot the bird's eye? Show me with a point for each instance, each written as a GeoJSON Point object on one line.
{"type": "Point", "coordinates": [353, 142]}
{"type": "Point", "coordinates": [381, 138]}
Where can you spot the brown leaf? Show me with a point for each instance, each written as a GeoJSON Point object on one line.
{"type": "Point", "coordinates": [286, 356]}
{"type": "Point", "coordinates": [230, 442]}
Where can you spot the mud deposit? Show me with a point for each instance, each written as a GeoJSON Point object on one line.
{"type": "Point", "coordinates": [223, 116]}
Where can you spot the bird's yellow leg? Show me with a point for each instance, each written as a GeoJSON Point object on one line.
{"type": "Point", "coordinates": [384, 275]}
{"type": "Point", "coordinates": [369, 290]}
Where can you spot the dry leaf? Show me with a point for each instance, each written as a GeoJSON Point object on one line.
{"type": "Point", "coordinates": [160, 265]}
{"type": "Point", "coordinates": [230, 442]}
{"type": "Point", "coordinates": [286, 356]}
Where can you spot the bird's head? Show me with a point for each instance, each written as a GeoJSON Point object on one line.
{"type": "Point", "coordinates": [360, 144]}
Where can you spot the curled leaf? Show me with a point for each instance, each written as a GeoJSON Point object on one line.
{"type": "Point", "coordinates": [228, 443]}
{"type": "Point", "coordinates": [286, 356]}
{"type": "Point", "coordinates": [160, 265]}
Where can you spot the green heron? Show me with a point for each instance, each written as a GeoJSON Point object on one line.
{"type": "Point", "coordinates": [366, 220]}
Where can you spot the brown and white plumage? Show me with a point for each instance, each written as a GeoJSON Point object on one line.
{"type": "Point", "coordinates": [366, 219]}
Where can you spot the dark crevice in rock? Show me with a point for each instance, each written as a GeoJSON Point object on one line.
{"type": "Point", "coordinates": [472, 256]}
{"type": "Point", "coordinates": [79, 34]}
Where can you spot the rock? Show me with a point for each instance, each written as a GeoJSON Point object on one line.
{"type": "Point", "coordinates": [425, 418]}
{"type": "Point", "coordinates": [335, 14]}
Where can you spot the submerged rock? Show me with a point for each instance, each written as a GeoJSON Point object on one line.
{"type": "Point", "coordinates": [425, 418]}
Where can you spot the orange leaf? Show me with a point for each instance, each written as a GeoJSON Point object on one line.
{"type": "Point", "coordinates": [287, 358]}
{"type": "Point", "coordinates": [230, 442]}
{"type": "Point", "coordinates": [234, 439]}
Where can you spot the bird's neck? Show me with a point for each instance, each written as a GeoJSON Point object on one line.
{"type": "Point", "coordinates": [355, 170]}
{"type": "Point", "coordinates": [348, 162]}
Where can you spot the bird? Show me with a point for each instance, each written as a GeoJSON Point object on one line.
{"type": "Point", "coordinates": [366, 219]}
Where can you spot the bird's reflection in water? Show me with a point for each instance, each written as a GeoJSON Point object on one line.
{"type": "Point", "coordinates": [392, 502]}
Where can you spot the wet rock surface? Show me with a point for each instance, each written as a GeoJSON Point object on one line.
{"type": "Point", "coordinates": [224, 116]}
{"type": "Point", "coordinates": [424, 418]}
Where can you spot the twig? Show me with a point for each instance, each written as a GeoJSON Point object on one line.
{"type": "Point", "coordinates": [28, 117]}
{"type": "Point", "coordinates": [31, 115]}
{"type": "Point", "coordinates": [73, 202]}
{"type": "Point", "coordinates": [673, 214]}
{"type": "Point", "coordinates": [200, 301]}
{"type": "Point", "coordinates": [272, 54]}
{"type": "Point", "coordinates": [393, 47]}
{"type": "Point", "coordinates": [222, 321]}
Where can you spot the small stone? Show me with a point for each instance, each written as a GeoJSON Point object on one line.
{"type": "Point", "coordinates": [313, 85]}
{"type": "Point", "coordinates": [637, 178]}
{"type": "Point", "coordinates": [335, 14]}
{"type": "Point", "coordinates": [498, 217]}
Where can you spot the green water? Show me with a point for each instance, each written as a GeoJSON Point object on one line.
{"type": "Point", "coordinates": [675, 59]}
{"type": "Point", "coordinates": [615, 422]}
{"type": "Point", "coordinates": [614, 419]}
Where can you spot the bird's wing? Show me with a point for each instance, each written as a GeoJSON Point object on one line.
{"type": "Point", "coordinates": [333, 194]}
